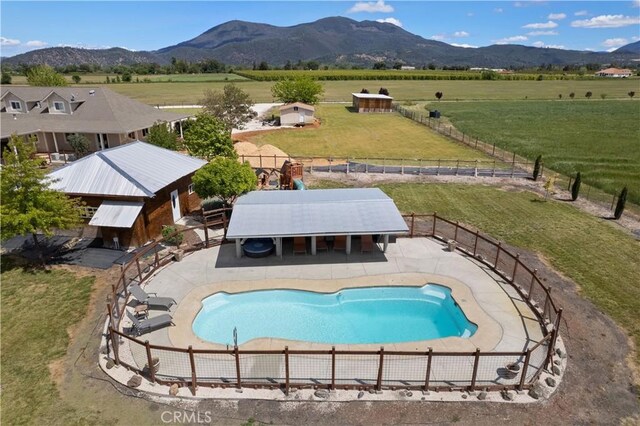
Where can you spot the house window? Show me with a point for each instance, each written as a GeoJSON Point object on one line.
{"type": "Point", "coordinates": [38, 104]}
{"type": "Point", "coordinates": [190, 189]}
{"type": "Point", "coordinates": [88, 212]}
{"type": "Point", "coordinates": [16, 106]}
{"type": "Point", "coordinates": [145, 132]}
{"type": "Point", "coordinates": [132, 135]}
{"type": "Point", "coordinates": [58, 106]}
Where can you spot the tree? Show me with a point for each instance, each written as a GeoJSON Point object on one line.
{"type": "Point", "coordinates": [549, 186]}
{"type": "Point", "coordinates": [79, 143]}
{"type": "Point", "coordinates": [76, 78]}
{"type": "Point", "coordinates": [224, 178]}
{"type": "Point", "coordinates": [603, 95]}
{"type": "Point", "coordinates": [161, 135]}
{"type": "Point", "coordinates": [43, 75]}
{"type": "Point", "coordinates": [572, 95]}
{"type": "Point", "coordinates": [379, 66]}
{"type": "Point", "coordinates": [364, 91]}
{"type": "Point", "coordinates": [537, 167]}
{"type": "Point", "coordinates": [559, 95]}
{"type": "Point", "coordinates": [439, 95]}
{"type": "Point", "coordinates": [28, 204]}
{"type": "Point", "coordinates": [232, 106]}
{"type": "Point", "coordinates": [622, 201]}
{"type": "Point", "coordinates": [264, 66]}
{"type": "Point", "coordinates": [588, 95]}
{"type": "Point", "coordinates": [575, 187]}
{"type": "Point", "coordinates": [631, 93]}
{"type": "Point", "coordinates": [383, 91]}
{"type": "Point", "coordinates": [126, 77]}
{"type": "Point", "coordinates": [6, 78]}
{"type": "Point", "coordinates": [301, 89]}
{"type": "Point", "coordinates": [208, 137]}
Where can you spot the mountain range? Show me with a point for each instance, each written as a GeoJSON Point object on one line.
{"type": "Point", "coordinates": [333, 40]}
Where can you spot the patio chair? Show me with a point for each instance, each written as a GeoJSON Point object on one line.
{"type": "Point", "coordinates": [366, 244]}
{"type": "Point", "coordinates": [299, 245]}
{"type": "Point", "coordinates": [151, 301]}
{"type": "Point", "coordinates": [321, 244]}
{"type": "Point", "coordinates": [145, 326]}
{"type": "Point", "coordinates": [340, 243]}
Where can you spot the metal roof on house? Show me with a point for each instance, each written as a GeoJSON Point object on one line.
{"type": "Point", "coordinates": [371, 96]}
{"type": "Point", "coordinates": [136, 169]}
{"type": "Point", "coordinates": [97, 110]}
{"type": "Point", "coordinates": [315, 212]}
{"type": "Point", "coordinates": [116, 214]}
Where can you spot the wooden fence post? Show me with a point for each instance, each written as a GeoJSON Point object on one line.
{"type": "Point", "coordinates": [515, 268]}
{"type": "Point", "coordinates": [286, 370]}
{"type": "Point", "coordinates": [413, 218]}
{"type": "Point", "coordinates": [152, 372]}
{"type": "Point", "coordinates": [475, 244]}
{"type": "Point", "coordinates": [206, 234]}
{"type": "Point", "coordinates": [333, 368]}
{"type": "Point", "coordinates": [525, 367]}
{"type": "Point", "coordinates": [402, 166]}
{"type": "Point", "coordinates": [260, 160]}
{"type": "Point", "coordinates": [546, 302]}
{"type": "Point", "coordinates": [493, 173]}
{"type": "Point", "coordinates": [115, 346]}
{"type": "Point", "coordinates": [192, 362]}
{"type": "Point", "coordinates": [380, 365]}
{"type": "Point", "coordinates": [476, 361]}
{"type": "Point", "coordinates": [497, 255]}
{"type": "Point", "coordinates": [139, 271]}
{"type": "Point", "coordinates": [457, 166]}
{"type": "Point", "coordinates": [493, 152]}
{"type": "Point", "coordinates": [434, 224]}
{"type": "Point", "coordinates": [237, 355]}
{"type": "Point", "coordinates": [428, 375]}
{"type": "Point", "coordinates": [533, 278]}
{"type": "Point", "coordinates": [438, 169]}
{"type": "Point", "coordinates": [455, 234]}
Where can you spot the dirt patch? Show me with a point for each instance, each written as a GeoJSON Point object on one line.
{"type": "Point", "coordinates": [272, 157]}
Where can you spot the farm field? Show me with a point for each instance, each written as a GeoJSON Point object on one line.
{"type": "Point", "coordinates": [600, 139]}
{"type": "Point", "coordinates": [343, 133]}
{"type": "Point", "coordinates": [189, 92]}
{"type": "Point", "coordinates": [154, 78]}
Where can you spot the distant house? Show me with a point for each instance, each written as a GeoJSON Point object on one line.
{"type": "Point", "coordinates": [296, 114]}
{"type": "Point", "coordinates": [369, 102]}
{"type": "Point", "coordinates": [614, 73]}
{"type": "Point", "coordinates": [130, 191]}
{"type": "Point", "coordinates": [51, 114]}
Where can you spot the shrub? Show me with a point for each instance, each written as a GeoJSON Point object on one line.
{"type": "Point", "coordinates": [364, 91]}
{"type": "Point", "coordinates": [575, 187]}
{"type": "Point", "coordinates": [79, 143]}
{"type": "Point", "coordinates": [537, 167]}
{"type": "Point", "coordinates": [603, 95]}
{"type": "Point", "coordinates": [622, 201]}
{"type": "Point", "coordinates": [6, 78]}
{"type": "Point", "coordinates": [631, 94]}
{"type": "Point", "coordinates": [76, 78]}
{"type": "Point", "coordinates": [383, 91]}
{"type": "Point", "coordinates": [588, 95]}
{"type": "Point", "coordinates": [439, 95]}
{"type": "Point", "coordinates": [174, 240]}
{"type": "Point", "coordinates": [572, 95]}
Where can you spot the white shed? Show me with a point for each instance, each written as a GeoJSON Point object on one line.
{"type": "Point", "coordinates": [296, 114]}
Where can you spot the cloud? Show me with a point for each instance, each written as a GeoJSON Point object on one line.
{"type": "Point", "coordinates": [393, 21]}
{"type": "Point", "coordinates": [636, 3]}
{"type": "Point", "coordinates": [465, 45]}
{"type": "Point", "coordinates": [470, 14]}
{"type": "Point", "coordinates": [607, 21]}
{"type": "Point", "coordinates": [461, 34]}
{"type": "Point", "coordinates": [371, 7]}
{"type": "Point", "coordinates": [541, 25]}
{"type": "Point", "coordinates": [36, 43]}
{"type": "Point", "coordinates": [498, 10]}
{"type": "Point", "coordinates": [541, 44]}
{"type": "Point", "coordinates": [615, 42]}
{"type": "Point", "coordinates": [557, 16]}
{"type": "Point", "coordinates": [509, 40]}
{"type": "Point", "coordinates": [581, 13]}
{"type": "Point", "coordinates": [9, 42]}
{"type": "Point", "coordinates": [542, 33]}
{"type": "Point", "coordinates": [438, 37]}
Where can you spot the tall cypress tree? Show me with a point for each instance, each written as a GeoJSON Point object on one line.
{"type": "Point", "coordinates": [622, 201]}
{"type": "Point", "coordinates": [575, 188]}
{"type": "Point", "coordinates": [536, 167]}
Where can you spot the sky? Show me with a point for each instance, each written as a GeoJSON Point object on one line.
{"type": "Point", "coordinates": [150, 25]}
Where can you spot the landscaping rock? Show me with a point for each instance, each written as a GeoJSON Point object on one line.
{"type": "Point", "coordinates": [135, 381]}
{"type": "Point", "coordinates": [557, 362]}
{"type": "Point", "coordinates": [482, 396]}
{"type": "Point", "coordinates": [173, 389]}
{"type": "Point", "coordinates": [372, 391]}
{"type": "Point", "coordinates": [402, 393]}
{"type": "Point", "coordinates": [507, 396]}
{"type": "Point", "coordinates": [464, 396]}
{"type": "Point", "coordinates": [239, 391]}
{"type": "Point", "coordinates": [360, 394]}
{"type": "Point", "coordinates": [513, 367]}
{"type": "Point", "coordinates": [536, 392]}
{"type": "Point", "coordinates": [409, 393]}
{"type": "Point", "coordinates": [321, 393]}
{"type": "Point", "coordinates": [556, 370]}
{"type": "Point", "coordinates": [551, 382]}
{"type": "Point", "coordinates": [562, 354]}
{"type": "Point", "coordinates": [110, 364]}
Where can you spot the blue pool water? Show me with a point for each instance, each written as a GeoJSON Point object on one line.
{"type": "Point", "coordinates": [350, 316]}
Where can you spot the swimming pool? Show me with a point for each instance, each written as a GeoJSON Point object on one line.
{"type": "Point", "coordinates": [351, 316]}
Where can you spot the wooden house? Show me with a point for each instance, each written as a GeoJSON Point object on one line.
{"type": "Point", "coordinates": [370, 102]}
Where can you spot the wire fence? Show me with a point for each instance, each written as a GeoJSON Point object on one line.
{"type": "Point", "coordinates": [344, 369]}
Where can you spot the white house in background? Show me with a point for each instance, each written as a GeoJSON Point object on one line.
{"type": "Point", "coordinates": [614, 73]}
{"type": "Point", "coordinates": [297, 114]}
{"type": "Point", "coordinates": [51, 114]}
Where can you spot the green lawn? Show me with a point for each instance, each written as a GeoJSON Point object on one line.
{"type": "Point", "coordinates": [602, 260]}
{"type": "Point", "coordinates": [343, 133]}
{"type": "Point", "coordinates": [37, 309]}
{"type": "Point", "coordinates": [601, 139]}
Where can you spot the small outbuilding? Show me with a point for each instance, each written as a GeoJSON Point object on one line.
{"type": "Point", "coordinates": [614, 73]}
{"type": "Point", "coordinates": [371, 102]}
{"type": "Point", "coordinates": [296, 114]}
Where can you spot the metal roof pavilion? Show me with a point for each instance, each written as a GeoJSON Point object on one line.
{"type": "Point", "coordinates": [323, 212]}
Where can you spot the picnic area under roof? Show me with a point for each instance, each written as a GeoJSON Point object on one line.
{"type": "Point", "coordinates": [358, 211]}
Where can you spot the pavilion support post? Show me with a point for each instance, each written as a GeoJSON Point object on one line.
{"type": "Point", "coordinates": [385, 243]}
{"type": "Point", "coordinates": [348, 248]}
{"type": "Point", "coordinates": [313, 245]}
{"type": "Point", "coordinates": [55, 142]}
{"type": "Point", "coordinates": [279, 246]}
{"type": "Point", "coordinates": [238, 248]}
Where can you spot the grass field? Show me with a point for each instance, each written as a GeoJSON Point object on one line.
{"type": "Point", "coordinates": [37, 309]}
{"type": "Point", "coordinates": [401, 90]}
{"type": "Point", "coordinates": [600, 139]}
{"type": "Point", "coordinates": [602, 260]}
{"type": "Point", "coordinates": [343, 133]}
{"type": "Point", "coordinates": [155, 78]}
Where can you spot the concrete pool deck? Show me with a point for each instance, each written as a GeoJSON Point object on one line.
{"type": "Point", "coordinates": [505, 322]}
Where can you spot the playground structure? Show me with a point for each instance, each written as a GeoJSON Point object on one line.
{"type": "Point", "coordinates": [291, 176]}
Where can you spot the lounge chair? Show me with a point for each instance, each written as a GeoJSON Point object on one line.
{"type": "Point", "coordinates": [151, 301]}
{"type": "Point", "coordinates": [340, 243]}
{"type": "Point", "coordinates": [299, 245]}
{"type": "Point", "coordinates": [321, 244]}
{"type": "Point", "coordinates": [144, 326]}
{"type": "Point", "coordinates": [366, 244]}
